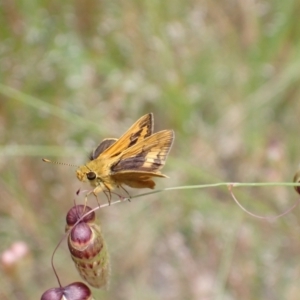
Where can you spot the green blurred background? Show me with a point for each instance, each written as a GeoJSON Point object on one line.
{"type": "Point", "coordinates": [225, 75]}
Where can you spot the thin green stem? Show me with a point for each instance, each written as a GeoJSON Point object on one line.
{"type": "Point", "coordinates": [228, 184]}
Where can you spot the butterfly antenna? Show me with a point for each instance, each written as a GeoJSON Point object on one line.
{"type": "Point", "coordinates": [88, 168]}
{"type": "Point", "coordinates": [58, 163]}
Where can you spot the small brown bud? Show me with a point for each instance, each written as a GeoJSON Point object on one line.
{"type": "Point", "coordinates": [87, 247]}
{"type": "Point", "coordinates": [73, 291]}
{"type": "Point", "coordinates": [76, 212]}
{"type": "Point", "coordinates": [297, 180]}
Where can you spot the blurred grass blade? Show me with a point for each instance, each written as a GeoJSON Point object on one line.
{"type": "Point", "coordinates": [51, 109]}
{"type": "Point", "coordinates": [36, 150]}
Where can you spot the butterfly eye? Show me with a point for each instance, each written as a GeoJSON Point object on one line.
{"type": "Point", "coordinates": [91, 175]}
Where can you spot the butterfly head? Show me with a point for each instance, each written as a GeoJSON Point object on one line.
{"type": "Point", "coordinates": [86, 174]}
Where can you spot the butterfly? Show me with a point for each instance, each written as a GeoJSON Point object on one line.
{"type": "Point", "coordinates": [132, 160]}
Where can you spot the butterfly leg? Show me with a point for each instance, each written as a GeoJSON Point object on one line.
{"type": "Point", "coordinates": [96, 191]}
{"type": "Point", "coordinates": [96, 196]}
{"type": "Point", "coordinates": [85, 200]}
{"type": "Point", "coordinates": [129, 197]}
{"type": "Point", "coordinates": [108, 195]}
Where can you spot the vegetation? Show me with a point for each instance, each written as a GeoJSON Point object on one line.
{"type": "Point", "coordinates": [223, 74]}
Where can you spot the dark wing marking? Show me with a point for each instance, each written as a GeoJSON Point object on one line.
{"type": "Point", "coordinates": [140, 130]}
{"type": "Point", "coordinates": [149, 155]}
{"type": "Point", "coordinates": [102, 146]}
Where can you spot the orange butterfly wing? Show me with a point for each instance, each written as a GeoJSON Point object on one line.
{"type": "Point", "coordinates": [138, 164]}
{"type": "Point", "coordinates": [140, 130]}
